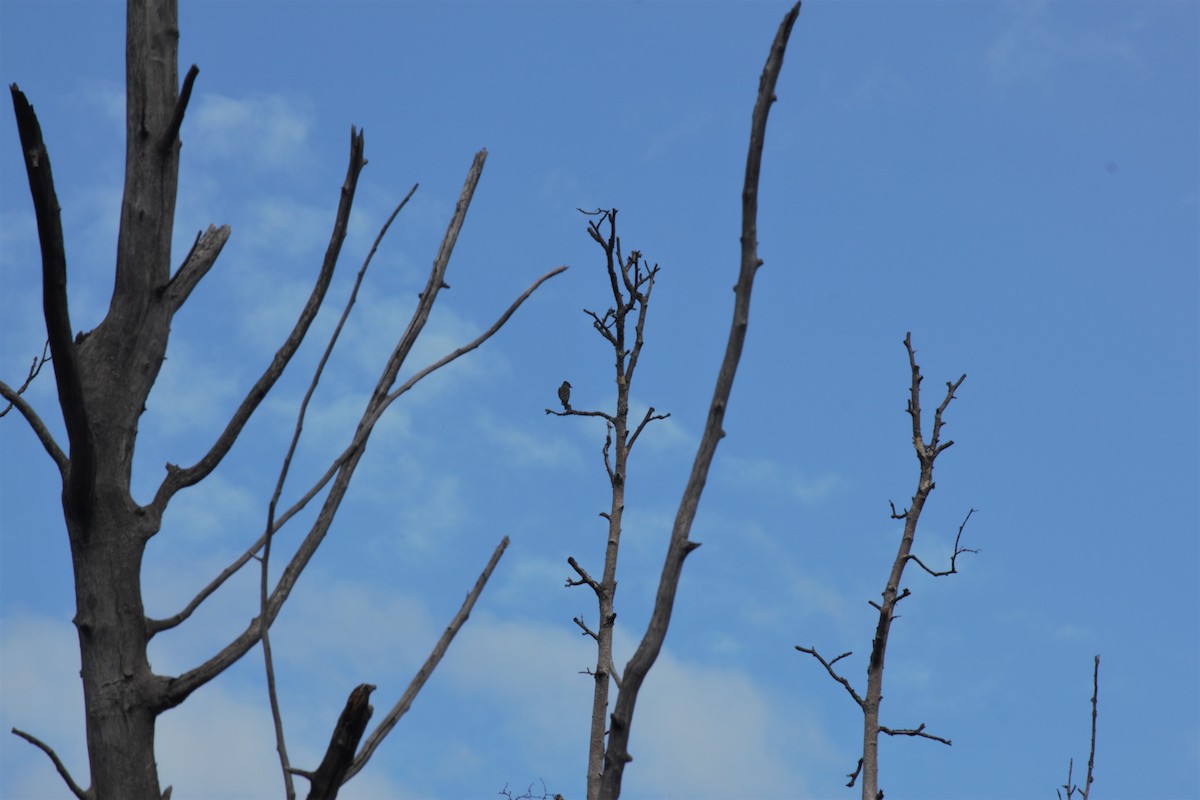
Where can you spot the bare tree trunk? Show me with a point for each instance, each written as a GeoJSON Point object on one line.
{"type": "Point", "coordinates": [104, 379]}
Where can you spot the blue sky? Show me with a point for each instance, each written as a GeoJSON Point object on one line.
{"type": "Point", "coordinates": [1017, 183]}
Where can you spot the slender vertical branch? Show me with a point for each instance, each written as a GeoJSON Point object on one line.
{"type": "Point", "coordinates": [631, 287]}
{"type": "Point", "coordinates": [617, 753]}
{"type": "Point", "coordinates": [927, 452]}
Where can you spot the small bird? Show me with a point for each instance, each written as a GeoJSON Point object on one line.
{"type": "Point", "coordinates": [564, 395]}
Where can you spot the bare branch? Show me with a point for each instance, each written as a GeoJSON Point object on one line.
{"type": "Point", "coordinates": [264, 633]}
{"type": "Point", "coordinates": [853, 776]}
{"type": "Point", "coordinates": [82, 794]}
{"type": "Point", "coordinates": [365, 428]}
{"type": "Point", "coordinates": [650, 416]}
{"type": "Point", "coordinates": [178, 478]}
{"type": "Point", "coordinates": [402, 705]}
{"type": "Point", "coordinates": [918, 731]}
{"type": "Point", "coordinates": [579, 620]}
{"type": "Point", "coordinates": [39, 427]}
{"type": "Point", "coordinates": [617, 753]}
{"type": "Point", "coordinates": [34, 370]}
{"type": "Point", "coordinates": [1087, 787]}
{"type": "Point", "coordinates": [79, 478]}
{"type": "Point", "coordinates": [199, 261]}
{"type": "Point", "coordinates": [953, 556]}
{"type": "Point", "coordinates": [329, 777]}
{"type": "Point", "coordinates": [1070, 786]}
{"type": "Point", "coordinates": [171, 135]}
{"type": "Point", "coordinates": [584, 577]}
{"type": "Point", "coordinates": [828, 665]}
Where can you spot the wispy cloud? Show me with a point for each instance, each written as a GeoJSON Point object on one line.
{"type": "Point", "coordinates": [264, 130]}
{"type": "Point", "coordinates": [770, 477]}
{"type": "Point", "coordinates": [1035, 44]}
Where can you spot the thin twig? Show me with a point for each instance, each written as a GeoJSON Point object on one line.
{"type": "Point", "coordinates": [58, 764]}
{"type": "Point", "coordinates": [953, 556]}
{"type": "Point", "coordinates": [828, 665]}
{"type": "Point", "coordinates": [918, 731]}
{"type": "Point", "coordinates": [39, 427]}
{"type": "Point", "coordinates": [34, 369]}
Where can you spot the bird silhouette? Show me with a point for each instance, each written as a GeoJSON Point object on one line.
{"type": "Point", "coordinates": [564, 395]}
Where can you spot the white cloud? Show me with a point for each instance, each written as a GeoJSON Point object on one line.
{"type": "Point", "coordinates": [1034, 45]}
{"type": "Point", "coordinates": [770, 477]}
{"type": "Point", "coordinates": [40, 693]}
{"type": "Point", "coordinates": [698, 731]}
{"type": "Point", "coordinates": [707, 732]}
{"type": "Point", "coordinates": [262, 130]}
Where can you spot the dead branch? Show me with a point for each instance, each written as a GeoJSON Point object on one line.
{"type": "Point", "coordinates": [631, 287]}
{"type": "Point", "coordinates": [650, 417]}
{"type": "Point", "coordinates": [264, 633]}
{"type": "Point", "coordinates": [178, 478]}
{"type": "Point", "coordinates": [34, 369]}
{"type": "Point", "coordinates": [39, 427]}
{"type": "Point", "coordinates": [402, 705]}
{"type": "Point", "coordinates": [79, 478]}
{"type": "Point", "coordinates": [1070, 786]}
{"type": "Point", "coordinates": [585, 578]}
{"type": "Point", "coordinates": [199, 261]}
{"type": "Point", "coordinates": [330, 776]}
{"type": "Point", "coordinates": [171, 135]}
{"type": "Point", "coordinates": [157, 625]}
{"type": "Point", "coordinates": [828, 665]}
{"type": "Point", "coordinates": [953, 556]}
{"type": "Point", "coordinates": [617, 752]}
{"type": "Point", "coordinates": [177, 689]}
{"type": "Point", "coordinates": [918, 731]}
{"type": "Point", "coordinates": [927, 452]}
{"type": "Point", "coordinates": [82, 794]}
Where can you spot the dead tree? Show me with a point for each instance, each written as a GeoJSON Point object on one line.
{"type": "Point", "coordinates": [927, 452]}
{"type": "Point", "coordinates": [616, 752]}
{"type": "Point", "coordinates": [1070, 787]}
{"type": "Point", "coordinates": [103, 379]}
{"type": "Point", "coordinates": [631, 280]}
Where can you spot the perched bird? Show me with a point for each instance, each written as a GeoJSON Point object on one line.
{"type": "Point", "coordinates": [564, 395]}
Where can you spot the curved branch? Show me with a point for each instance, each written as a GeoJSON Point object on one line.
{"type": "Point", "coordinates": [617, 753]}
{"type": "Point", "coordinates": [81, 474]}
{"type": "Point", "coordinates": [13, 396]}
{"type": "Point", "coordinates": [82, 794]}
